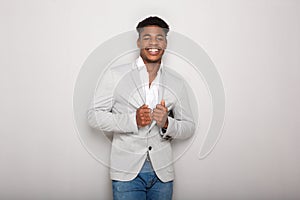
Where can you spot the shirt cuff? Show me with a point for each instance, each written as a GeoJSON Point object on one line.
{"type": "Point", "coordinates": [166, 133]}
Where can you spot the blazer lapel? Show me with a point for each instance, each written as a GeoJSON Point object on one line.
{"type": "Point", "coordinates": [161, 89]}
{"type": "Point", "coordinates": [139, 98]}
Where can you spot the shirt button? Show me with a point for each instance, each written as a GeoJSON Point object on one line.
{"type": "Point", "coordinates": [149, 148]}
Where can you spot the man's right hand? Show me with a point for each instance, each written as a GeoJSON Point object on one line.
{"type": "Point", "coordinates": [143, 116]}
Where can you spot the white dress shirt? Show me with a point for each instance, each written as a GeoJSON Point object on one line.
{"type": "Point", "coordinates": [152, 91]}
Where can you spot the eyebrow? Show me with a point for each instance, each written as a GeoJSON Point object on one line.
{"type": "Point", "coordinates": [146, 35]}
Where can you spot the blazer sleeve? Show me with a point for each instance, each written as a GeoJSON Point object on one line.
{"type": "Point", "coordinates": [100, 115]}
{"type": "Point", "coordinates": [181, 126]}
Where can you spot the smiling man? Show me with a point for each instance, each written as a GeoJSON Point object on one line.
{"type": "Point", "coordinates": [145, 106]}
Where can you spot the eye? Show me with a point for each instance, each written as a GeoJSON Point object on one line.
{"type": "Point", "coordinates": [160, 38]}
{"type": "Point", "coordinates": [146, 38]}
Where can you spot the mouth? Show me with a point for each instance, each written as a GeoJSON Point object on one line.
{"type": "Point", "coordinates": [153, 51]}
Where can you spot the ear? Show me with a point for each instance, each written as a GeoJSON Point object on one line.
{"type": "Point", "coordinates": [138, 43]}
{"type": "Point", "coordinates": [166, 43]}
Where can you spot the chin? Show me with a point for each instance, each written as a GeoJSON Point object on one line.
{"type": "Point", "coordinates": [155, 60]}
{"type": "Point", "coordinates": [152, 59]}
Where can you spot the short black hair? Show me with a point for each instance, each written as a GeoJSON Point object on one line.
{"type": "Point", "coordinates": [153, 21]}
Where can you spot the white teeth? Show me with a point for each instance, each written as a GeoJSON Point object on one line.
{"type": "Point", "coordinates": [153, 50]}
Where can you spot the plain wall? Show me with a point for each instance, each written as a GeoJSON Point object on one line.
{"type": "Point", "coordinates": [254, 45]}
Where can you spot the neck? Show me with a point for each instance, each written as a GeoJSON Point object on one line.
{"type": "Point", "coordinates": [152, 68]}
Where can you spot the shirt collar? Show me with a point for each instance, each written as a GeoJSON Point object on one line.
{"type": "Point", "coordinates": [140, 64]}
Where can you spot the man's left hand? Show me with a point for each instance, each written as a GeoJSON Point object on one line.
{"type": "Point", "coordinates": [160, 114]}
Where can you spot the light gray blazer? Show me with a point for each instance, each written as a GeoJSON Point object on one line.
{"type": "Point", "coordinates": [118, 95]}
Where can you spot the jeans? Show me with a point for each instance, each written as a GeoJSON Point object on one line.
{"type": "Point", "coordinates": [146, 186]}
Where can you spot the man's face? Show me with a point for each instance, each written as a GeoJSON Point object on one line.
{"type": "Point", "coordinates": [152, 43]}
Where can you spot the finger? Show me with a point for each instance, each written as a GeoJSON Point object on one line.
{"type": "Point", "coordinates": [156, 118]}
{"type": "Point", "coordinates": [154, 115]}
{"type": "Point", "coordinates": [157, 115]}
{"type": "Point", "coordinates": [163, 103]}
{"type": "Point", "coordinates": [139, 110]}
{"type": "Point", "coordinates": [147, 117]}
{"type": "Point", "coordinates": [143, 113]}
{"type": "Point", "coordinates": [144, 106]}
{"type": "Point", "coordinates": [146, 122]}
{"type": "Point", "coordinates": [146, 110]}
{"type": "Point", "coordinates": [143, 124]}
{"type": "Point", "coordinates": [157, 111]}
{"type": "Point", "coordinates": [161, 108]}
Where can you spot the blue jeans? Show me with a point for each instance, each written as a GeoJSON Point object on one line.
{"type": "Point", "coordinates": [146, 186]}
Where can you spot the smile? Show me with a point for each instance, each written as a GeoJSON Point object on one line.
{"type": "Point", "coordinates": [153, 51]}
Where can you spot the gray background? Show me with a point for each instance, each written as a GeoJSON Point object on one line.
{"type": "Point", "coordinates": [255, 46]}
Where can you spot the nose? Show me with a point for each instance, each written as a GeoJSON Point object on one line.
{"type": "Point", "coordinates": [153, 41]}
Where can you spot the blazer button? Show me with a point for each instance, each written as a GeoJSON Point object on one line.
{"type": "Point", "coordinates": [149, 148]}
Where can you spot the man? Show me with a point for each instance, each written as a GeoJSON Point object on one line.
{"type": "Point", "coordinates": [145, 105]}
